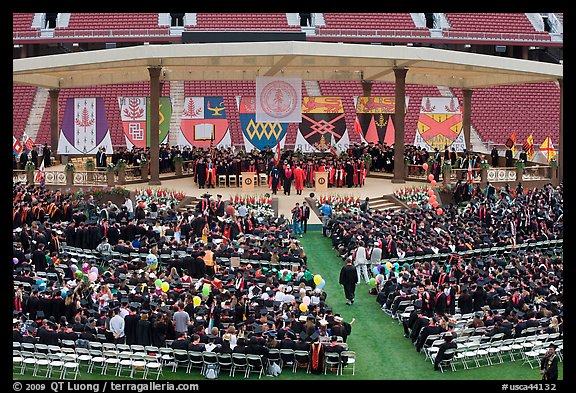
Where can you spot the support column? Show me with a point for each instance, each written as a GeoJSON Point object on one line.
{"type": "Point", "coordinates": [399, 113]}
{"type": "Point", "coordinates": [54, 94]}
{"type": "Point", "coordinates": [466, 117]}
{"type": "Point", "coordinates": [367, 88]}
{"type": "Point", "coordinates": [561, 136]}
{"type": "Point", "coordinates": [154, 125]}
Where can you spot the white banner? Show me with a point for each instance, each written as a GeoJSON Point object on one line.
{"type": "Point", "coordinates": [278, 99]}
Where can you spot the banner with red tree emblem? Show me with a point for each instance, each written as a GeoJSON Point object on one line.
{"type": "Point", "coordinates": [84, 127]}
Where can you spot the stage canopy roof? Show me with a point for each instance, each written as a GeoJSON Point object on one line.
{"type": "Point", "coordinates": [306, 60]}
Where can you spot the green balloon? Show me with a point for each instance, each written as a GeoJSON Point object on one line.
{"type": "Point", "coordinates": [206, 290]}
{"type": "Point", "coordinates": [158, 282]}
{"type": "Point", "coordinates": [373, 281]}
{"type": "Point", "coordinates": [79, 274]}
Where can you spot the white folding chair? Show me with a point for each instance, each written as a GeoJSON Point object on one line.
{"type": "Point", "coordinates": [153, 366]}
{"type": "Point", "coordinates": [28, 361]}
{"type": "Point", "coordinates": [254, 364]}
{"type": "Point", "coordinates": [348, 359]}
{"type": "Point", "coordinates": [239, 362]}
{"type": "Point", "coordinates": [332, 362]}
{"type": "Point", "coordinates": [42, 364]}
{"type": "Point", "coordinates": [71, 365]}
{"type": "Point", "coordinates": [138, 364]}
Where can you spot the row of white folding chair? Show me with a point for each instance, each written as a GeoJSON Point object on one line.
{"type": "Point", "coordinates": [48, 363]}
{"type": "Point", "coordinates": [125, 364]}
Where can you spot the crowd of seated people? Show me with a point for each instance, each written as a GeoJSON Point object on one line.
{"type": "Point", "coordinates": [232, 304]}
{"type": "Point", "coordinates": [507, 292]}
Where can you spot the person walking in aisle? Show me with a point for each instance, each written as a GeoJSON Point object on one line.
{"type": "Point", "coordinates": [349, 279]}
{"type": "Point", "coordinates": [361, 262]}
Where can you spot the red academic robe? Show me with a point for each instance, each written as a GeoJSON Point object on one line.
{"type": "Point", "coordinates": [211, 175]}
{"type": "Point", "coordinates": [298, 178]}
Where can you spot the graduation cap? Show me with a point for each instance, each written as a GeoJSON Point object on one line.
{"type": "Point", "coordinates": [135, 305]}
{"type": "Point", "coordinates": [314, 336]}
{"type": "Point", "coordinates": [303, 335]}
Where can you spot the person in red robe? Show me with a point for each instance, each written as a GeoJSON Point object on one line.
{"type": "Point", "coordinates": [210, 174]}
{"type": "Point", "coordinates": [298, 175]}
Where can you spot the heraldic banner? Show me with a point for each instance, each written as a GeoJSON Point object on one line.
{"type": "Point", "coordinates": [440, 124]}
{"type": "Point", "coordinates": [258, 135]}
{"type": "Point", "coordinates": [375, 119]}
{"type": "Point", "coordinates": [323, 126]}
{"type": "Point", "coordinates": [278, 99]}
{"type": "Point", "coordinates": [84, 127]}
{"type": "Point", "coordinates": [135, 114]}
{"type": "Point", "coordinates": [204, 123]}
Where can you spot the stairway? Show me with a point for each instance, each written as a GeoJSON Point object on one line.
{"type": "Point", "coordinates": [188, 203]}
{"type": "Point", "coordinates": [36, 113]}
{"type": "Point", "coordinates": [312, 88]}
{"type": "Point", "coordinates": [385, 202]}
{"type": "Point", "coordinates": [177, 96]}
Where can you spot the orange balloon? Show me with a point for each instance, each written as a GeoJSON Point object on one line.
{"type": "Point", "coordinates": [439, 211]}
{"type": "Point", "coordinates": [430, 177]}
{"type": "Point", "coordinates": [435, 204]}
{"type": "Point", "coordinates": [433, 197]}
{"type": "Point", "coordinates": [430, 192]}
{"type": "Point", "coordinates": [425, 166]}
{"type": "Point", "coordinates": [432, 182]}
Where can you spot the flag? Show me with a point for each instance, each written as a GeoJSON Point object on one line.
{"type": "Point", "coordinates": [547, 148]}
{"type": "Point", "coordinates": [528, 147]}
{"type": "Point", "coordinates": [16, 146]}
{"type": "Point", "coordinates": [41, 175]}
{"type": "Point", "coordinates": [278, 100]}
{"type": "Point", "coordinates": [357, 126]}
{"type": "Point", "coordinates": [27, 142]}
{"type": "Point", "coordinates": [469, 173]}
{"type": "Point", "coordinates": [511, 143]}
{"type": "Point", "coordinates": [332, 150]}
{"type": "Point", "coordinates": [277, 153]}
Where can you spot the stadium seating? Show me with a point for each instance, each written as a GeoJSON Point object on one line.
{"type": "Point", "coordinates": [242, 21]}
{"type": "Point", "coordinates": [22, 99]}
{"type": "Point", "coordinates": [106, 20]}
{"type": "Point", "coordinates": [528, 108]}
{"type": "Point", "coordinates": [22, 21]}
{"type": "Point", "coordinates": [371, 24]}
{"type": "Point", "coordinates": [491, 22]}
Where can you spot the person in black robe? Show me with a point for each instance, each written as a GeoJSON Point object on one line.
{"type": "Point", "coordinates": [130, 327]}
{"type": "Point", "coordinates": [159, 331]}
{"type": "Point", "coordinates": [144, 330]}
{"type": "Point", "coordinates": [349, 171]}
{"type": "Point", "coordinates": [317, 357]}
{"type": "Point", "coordinates": [200, 173]}
{"type": "Point", "coordinates": [348, 279]}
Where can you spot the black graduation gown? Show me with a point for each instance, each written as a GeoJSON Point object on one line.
{"type": "Point", "coordinates": [316, 358]}
{"type": "Point", "coordinates": [130, 328]}
{"type": "Point", "coordinates": [144, 332]}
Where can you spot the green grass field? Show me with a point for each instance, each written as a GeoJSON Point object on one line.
{"type": "Point", "coordinates": [383, 353]}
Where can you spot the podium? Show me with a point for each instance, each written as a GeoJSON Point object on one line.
{"type": "Point", "coordinates": [321, 181]}
{"type": "Point", "coordinates": [248, 181]}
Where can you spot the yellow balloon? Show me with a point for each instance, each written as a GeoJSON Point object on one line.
{"type": "Point", "coordinates": [165, 287]}
{"type": "Point", "coordinates": [196, 300]}
{"type": "Point", "coordinates": [303, 307]}
{"type": "Point", "coordinates": [317, 279]}
{"type": "Point", "coordinates": [388, 265]}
